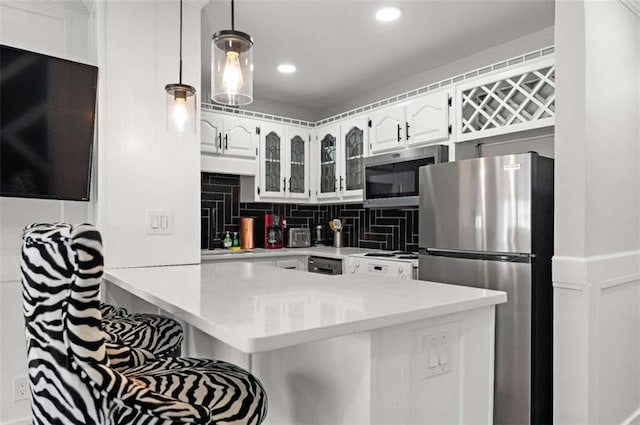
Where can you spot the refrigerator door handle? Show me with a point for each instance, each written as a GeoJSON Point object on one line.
{"type": "Point", "coordinates": [477, 255]}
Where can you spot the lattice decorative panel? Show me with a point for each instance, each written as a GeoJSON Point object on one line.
{"type": "Point", "coordinates": [520, 99]}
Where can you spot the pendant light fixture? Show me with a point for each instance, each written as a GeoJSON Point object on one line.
{"type": "Point", "coordinates": [181, 100]}
{"type": "Point", "coordinates": [232, 66]}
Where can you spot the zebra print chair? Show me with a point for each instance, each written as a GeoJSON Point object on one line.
{"type": "Point", "coordinates": [151, 332]}
{"type": "Point", "coordinates": [70, 375]}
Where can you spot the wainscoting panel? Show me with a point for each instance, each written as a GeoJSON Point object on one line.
{"type": "Point", "coordinates": [221, 210]}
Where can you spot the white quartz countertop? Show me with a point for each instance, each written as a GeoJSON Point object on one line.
{"type": "Point", "coordinates": [324, 251]}
{"type": "Point", "coordinates": [256, 307]}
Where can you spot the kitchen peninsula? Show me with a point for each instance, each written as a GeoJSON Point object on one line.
{"type": "Point", "coordinates": [332, 349]}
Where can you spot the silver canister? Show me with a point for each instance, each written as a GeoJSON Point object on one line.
{"type": "Point", "coordinates": [338, 241]}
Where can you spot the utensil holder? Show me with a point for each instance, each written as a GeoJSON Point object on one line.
{"type": "Point", "coordinates": [337, 240]}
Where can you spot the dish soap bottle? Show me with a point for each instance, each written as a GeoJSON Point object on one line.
{"type": "Point", "coordinates": [227, 241]}
{"type": "Point", "coordinates": [235, 239]}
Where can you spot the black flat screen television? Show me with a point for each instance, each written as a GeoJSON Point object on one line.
{"type": "Point", "coordinates": [47, 118]}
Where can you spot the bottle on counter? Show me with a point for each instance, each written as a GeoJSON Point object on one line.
{"type": "Point", "coordinates": [227, 241]}
{"type": "Point", "coordinates": [235, 241]}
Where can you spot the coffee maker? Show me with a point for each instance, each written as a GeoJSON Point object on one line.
{"type": "Point", "coordinates": [273, 231]}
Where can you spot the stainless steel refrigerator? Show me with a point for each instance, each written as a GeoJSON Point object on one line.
{"type": "Point", "coordinates": [488, 223]}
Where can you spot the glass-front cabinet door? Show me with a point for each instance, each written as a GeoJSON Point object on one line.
{"type": "Point", "coordinates": [298, 141]}
{"type": "Point", "coordinates": [273, 156]}
{"type": "Point", "coordinates": [351, 178]}
{"type": "Point", "coordinates": [328, 138]}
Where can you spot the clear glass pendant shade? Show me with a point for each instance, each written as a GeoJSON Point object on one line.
{"type": "Point", "coordinates": [232, 68]}
{"type": "Point", "coordinates": [181, 108]}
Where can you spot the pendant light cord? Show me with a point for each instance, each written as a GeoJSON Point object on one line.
{"type": "Point", "coordinates": [180, 42]}
{"type": "Point", "coordinates": [233, 27]}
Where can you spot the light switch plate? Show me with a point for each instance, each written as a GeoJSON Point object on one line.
{"type": "Point", "coordinates": [159, 222]}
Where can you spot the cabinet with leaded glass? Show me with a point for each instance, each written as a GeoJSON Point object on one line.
{"type": "Point", "coordinates": [352, 151]}
{"type": "Point", "coordinates": [298, 154]}
{"type": "Point", "coordinates": [328, 138]}
{"type": "Point", "coordinates": [284, 162]}
{"type": "Point", "coordinates": [273, 178]}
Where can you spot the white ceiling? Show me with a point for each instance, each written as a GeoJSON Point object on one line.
{"type": "Point", "coordinates": [342, 52]}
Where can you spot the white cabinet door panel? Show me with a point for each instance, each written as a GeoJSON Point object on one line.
{"type": "Point", "coordinates": [428, 119]}
{"type": "Point", "coordinates": [210, 133]}
{"type": "Point", "coordinates": [387, 129]}
{"type": "Point", "coordinates": [239, 137]}
{"type": "Point", "coordinates": [273, 173]}
{"type": "Point", "coordinates": [298, 141]}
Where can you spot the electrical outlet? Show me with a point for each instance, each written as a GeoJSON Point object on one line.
{"type": "Point", "coordinates": [21, 388]}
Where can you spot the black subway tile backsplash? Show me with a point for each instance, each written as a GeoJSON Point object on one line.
{"type": "Point", "coordinates": [364, 228]}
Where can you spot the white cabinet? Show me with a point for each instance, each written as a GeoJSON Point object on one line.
{"type": "Point", "coordinates": [292, 263]}
{"type": "Point", "coordinates": [428, 119]}
{"type": "Point", "coordinates": [518, 99]}
{"type": "Point", "coordinates": [341, 149]}
{"type": "Point", "coordinates": [284, 162]}
{"type": "Point", "coordinates": [211, 133]}
{"type": "Point", "coordinates": [327, 178]}
{"type": "Point", "coordinates": [352, 149]}
{"type": "Point", "coordinates": [298, 154]}
{"type": "Point", "coordinates": [227, 135]}
{"type": "Point", "coordinates": [386, 129]}
{"type": "Point", "coordinates": [418, 122]}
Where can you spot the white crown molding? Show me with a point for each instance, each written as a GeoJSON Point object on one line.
{"type": "Point", "coordinates": [633, 5]}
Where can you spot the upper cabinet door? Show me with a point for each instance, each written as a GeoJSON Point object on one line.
{"type": "Point", "coordinates": [328, 138]}
{"type": "Point", "coordinates": [352, 148]}
{"type": "Point", "coordinates": [428, 119]}
{"type": "Point", "coordinates": [387, 132]}
{"type": "Point", "coordinates": [239, 137]}
{"type": "Point", "coordinates": [272, 164]}
{"type": "Point", "coordinates": [210, 133]}
{"type": "Point", "coordinates": [298, 145]}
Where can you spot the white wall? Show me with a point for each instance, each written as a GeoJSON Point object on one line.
{"type": "Point", "coordinates": [529, 43]}
{"type": "Point", "coordinates": [597, 236]}
{"type": "Point", "coordinates": [141, 165]}
{"type": "Point", "coordinates": [59, 29]}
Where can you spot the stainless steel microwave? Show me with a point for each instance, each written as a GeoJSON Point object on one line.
{"type": "Point", "coordinates": [392, 180]}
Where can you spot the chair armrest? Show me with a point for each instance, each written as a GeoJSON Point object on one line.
{"type": "Point", "coordinates": [122, 357]}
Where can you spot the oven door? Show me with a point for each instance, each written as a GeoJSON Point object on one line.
{"type": "Point", "coordinates": [392, 180]}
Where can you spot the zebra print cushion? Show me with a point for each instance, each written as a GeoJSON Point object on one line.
{"type": "Point", "coordinates": [150, 332]}
{"type": "Point", "coordinates": [109, 311]}
{"type": "Point", "coordinates": [71, 377]}
{"type": "Point", "coordinates": [160, 335]}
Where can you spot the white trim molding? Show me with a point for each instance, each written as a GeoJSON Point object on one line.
{"type": "Point", "coordinates": [602, 270]}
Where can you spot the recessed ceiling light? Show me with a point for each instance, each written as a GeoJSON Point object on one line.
{"type": "Point", "coordinates": [388, 14]}
{"type": "Point", "coordinates": [286, 68]}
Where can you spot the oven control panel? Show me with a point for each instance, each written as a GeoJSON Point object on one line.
{"type": "Point", "coordinates": [397, 269]}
